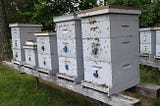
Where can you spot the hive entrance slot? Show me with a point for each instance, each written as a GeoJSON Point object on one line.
{"type": "Point", "coordinates": [63, 78]}
{"type": "Point", "coordinates": [43, 72]}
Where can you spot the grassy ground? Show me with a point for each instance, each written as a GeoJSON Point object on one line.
{"type": "Point", "coordinates": [147, 75]}
{"type": "Point", "coordinates": [18, 90]}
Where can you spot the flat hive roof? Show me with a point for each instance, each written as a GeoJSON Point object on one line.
{"type": "Point", "coordinates": [109, 9]}
{"type": "Point", "coordinates": [24, 25]}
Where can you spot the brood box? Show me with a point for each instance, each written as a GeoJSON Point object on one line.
{"type": "Point", "coordinates": [31, 57]}
{"type": "Point", "coordinates": [110, 48]}
{"type": "Point", "coordinates": [69, 41]}
{"type": "Point", "coordinates": [20, 34]}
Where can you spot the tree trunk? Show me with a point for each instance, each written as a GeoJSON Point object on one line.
{"type": "Point", "coordinates": [4, 33]}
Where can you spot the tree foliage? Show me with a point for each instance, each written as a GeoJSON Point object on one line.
{"type": "Point", "coordinates": [43, 11]}
{"type": "Point", "coordinates": [150, 10]}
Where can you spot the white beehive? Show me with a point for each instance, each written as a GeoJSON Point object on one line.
{"type": "Point", "coordinates": [110, 48]}
{"type": "Point", "coordinates": [47, 52]}
{"type": "Point", "coordinates": [157, 43]}
{"type": "Point", "coordinates": [31, 57]}
{"type": "Point", "coordinates": [20, 34]}
{"type": "Point", "coordinates": [147, 42]}
{"type": "Point", "coordinates": [69, 41]}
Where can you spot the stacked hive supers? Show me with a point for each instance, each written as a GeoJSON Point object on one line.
{"type": "Point", "coordinates": [110, 48]}
{"type": "Point", "coordinates": [47, 53]}
{"type": "Point", "coordinates": [20, 34]}
{"type": "Point", "coordinates": [98, 48]}
{"type": "Point", "coordinates": [69, 47]}
{"type": "Point", "coordinates": [148, 42]}
{"type": "Point", "coordinates": [158, 43]}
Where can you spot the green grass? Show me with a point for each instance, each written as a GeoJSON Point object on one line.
{"type": "Point", "coordinates": [19, 90]}
{"type": "Point", "coordinates": [157, 102]}
{"type": "Point", "coordinates": [148, 74]}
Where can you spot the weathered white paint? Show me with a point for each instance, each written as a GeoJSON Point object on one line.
{"type": "Point", "coordinates": [109, 36]}
{"type": "Point", "coordinates": [20, 34]}
{"type": "Point", "coordinates": [47, 52]}
{"type": "Point", "coordinates": [69, 41]}
{"type": "Point", "coordinates": [148, 42]}
{"type": "Point", "coordinates": [31, 57]}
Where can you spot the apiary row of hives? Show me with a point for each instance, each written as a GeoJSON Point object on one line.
{"type": "Point", "coordinates": [20, 34]}
{"type": "Point", "coordinates": [150, 42]}
{"type": "Point", "coordinates": [98, 48]}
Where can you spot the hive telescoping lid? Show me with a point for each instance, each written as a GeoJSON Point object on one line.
{"type": "Point", "coordinates": [150, 29]}
{"type": "Point", "coordinates": [24, 25]}
{"type": "Point", "coordinates": [109, 10]}
{"type": "Point", "coordinates": [30, 44]}
{"type": "Point", "coordinates": [64, 18]}
{"type": "Point", "coordinates": [45, 34]}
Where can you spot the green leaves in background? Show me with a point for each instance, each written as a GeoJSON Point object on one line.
{"type": "Point", "coordinates": [43, 11]}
